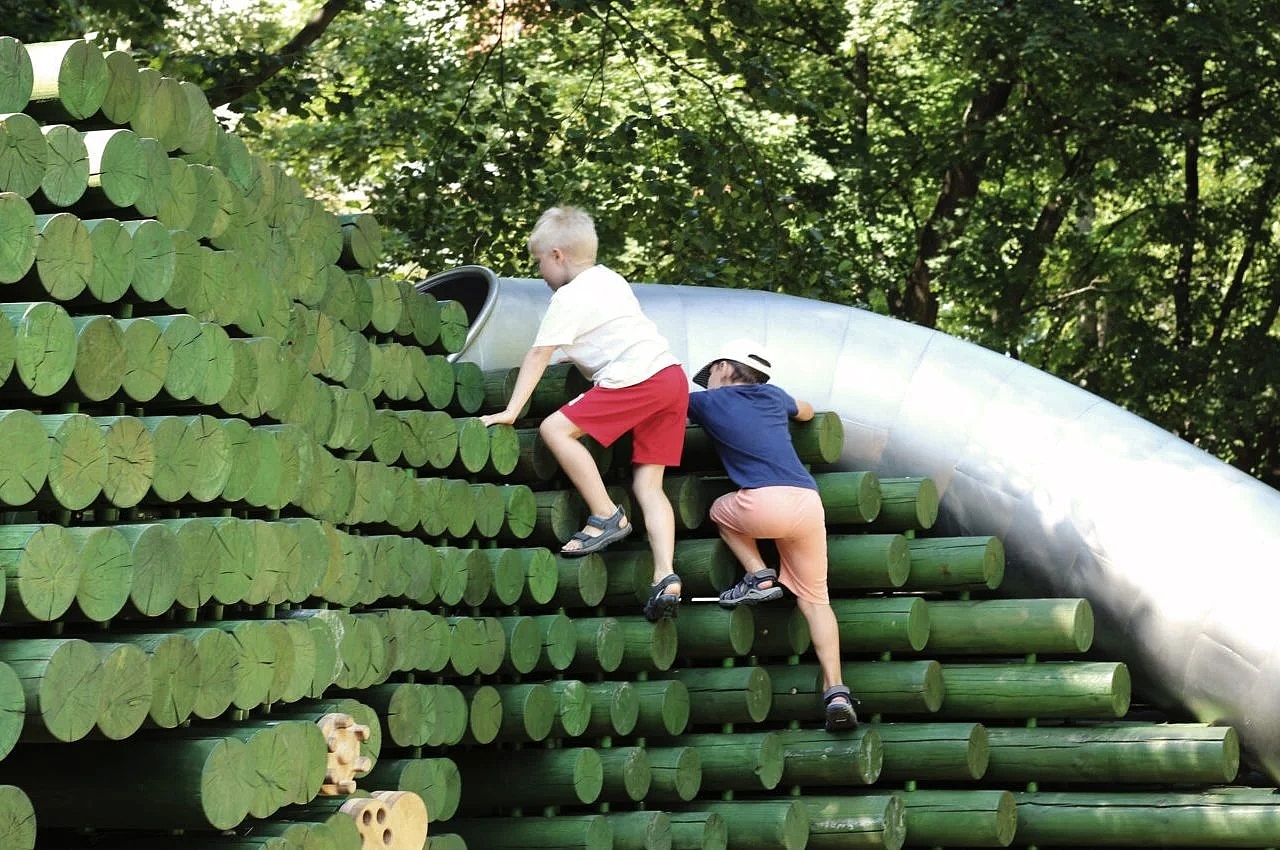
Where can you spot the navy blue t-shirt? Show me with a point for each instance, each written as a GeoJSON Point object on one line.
{"type": "Point", "coordinates": [749, 424]}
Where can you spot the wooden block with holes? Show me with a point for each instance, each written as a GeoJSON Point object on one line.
{"type": "Point", "coordinates": [344, 737]}
{"type": "Point", "coordinates": [407, 818]}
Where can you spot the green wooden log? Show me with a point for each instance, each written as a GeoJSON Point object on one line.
{"type": "Point", "coordinates": [540, 576]}
{"type": "Point", "coordinates": [960, 818]}
{"type": "Point", "coordinates": [665, 707]}
{"type": "Point", "coordinates": [1013, 626]}
{"type": "Point", "coordinates": [559, 642]}
{"type": "Point", "coordinates": [12, 709]}
{"type": "Point", "coordinates": [453, 328]}
{"type": "Point", "coordinates": [69, 80]}
{"type": "Point", "coordinates": [779, 631]}
{"type": "Point", "coordinates": [17, 229]}
{"type": "Point", "coordinates": [155, 259]}
{"type": "Point", "coordinates": [761, 824]}
{"type": "Point", "coordinates": [883, 624]}
{"type": "Point", "coordinates": [446, 841]}
{"type": "Point", "coordinates": [202, 782]}
{"type": "Point", "coordinates": [61, 681]}
{"type": "Point", "coordinates": [493, 646]}
{"type": "Point", "coordinates": [849, 498]}
{"type": "Point", "coordinates": [490, 509]}
{"type": "Point", "coordinates": [361, 241]}
{"type": "Point", "coordinates": [24, 154]}
{"type": "Point", "coordinates": [201, 564]}
{"type": "Point", "coordinates": [126, 690]}
{"type": "Point", "coordinates": [615, 709]}
{"type": "Point", "coordinates": [388, 305]}
{"type": "Point", "coordinates": [629, 573]}
{"type": "Point", "coordinates": [66, 174]}
{"type": "Point", "coordinates": [955, 563]}
{"type": "Point", "coordinates": [560, 514]}
{"type": "Point", "coordinates": [219, 657]}
{"type": "Point", "coordinates": [816, 758]}
{"type": "Point", "coordinates": [1164, 754]}
{"type": "Point", "coordinates": [934, 751]}
{"type": "Point", "coordinates": [162, 111]}
{"type": "Point", "coordinates": [867, 561]}
{"type": "Point", "coordinates": [468, 394]}
{"type": "Point", "coordinates": [907, 504]}
{"type": "Point", "coordinates": [647, 647]}
{"type": "Point", "coordinates": [473, 446]}
{"type": "Point", "coordinates": [862, 821]}
{"type": "Point", "coordinates": [105, 568]}
{"type": "Point", "coordinates": [581, 582]}
{"type": "Point", "coordinates": [535, 462]}
{"type": "Point", "coordinates": [562, 832]}
{"type": "Point", "coordinates": [24, 468]}
{"type": "Point", "coordinates": [77, 459]}
{"type": "Point", "coordinates": [175, 457]}
{"type": "Point", "coordinates": [465, 637]}
{"type": "Point", "coordinates": [707, 632]}
{"type": "Point", "coordinates": [131, 458]}
{"type": "Point", "coordinates": [726, 695]}
{"type": "Point", "coordinates": [882, 687]}
{"type": "Point", "coordinates": [18, 75]}
{"type": "Point", "coordinates": [566, 776]}
{"type": "Point", "coordinates": [601, 643]}
{"type": "Point", "coordinates": [524, 644]}
{"type": "Point", "coordinates": [153, 550]}
{"type": "Point", "coordinates": [647, 830]}
{"type": "Point", "coordinates": [45, 345]}
{"type": "Point", "coordinates": [706, 565]}
{"type": "Point", "coordinates": [559, 384]}
{"type": "Point", "coordinates": [687, 501]}
{"type": "Point", "coordinates": [676, 774]}
{"type": "Point", "coordinates": [100, 356]}
{"type": "Point", "coordinates": [175, 675]}
{"type": "Point", "coordinates": [42, 571]}
{"type": "Point", "coordinates": [118, 171]}
{"type": "Point", "coordinates": [698, 831]}
{"type": "Point", "coordinates": [528, 712]}
{"type": "Point", "coordinates": [202, 130]}
{"type": "Point", "coordinates": [1210, 818]}
{"type": "Point", "coordinates": [452, 715]}
{"type": "Point", "coordinates": [121, 99]}
{"type": "Point", "coordinates": [457, 566]}
{"type": "Point", "coordinates": [573, 708]}
{"type": "Point", "coordinates": [484, 714]}
{"type": "Point", "coordinates": [256, 659]}
{"type": "Point", "coordinates": [436, 780]}
{"type": "Point", "coordinates": [114, 265]}
{"type": "Point", "coordinates": [17, 819]}
{"type": "Point", "coordinates": [405, 711]}
{"type": "Point", "coordinates": [1078, 690]}
{"type": "Point", "coordinates": [627, 774]}
{"type": "Point", "coordinates": [64, 255]}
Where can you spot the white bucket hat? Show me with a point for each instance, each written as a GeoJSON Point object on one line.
{"type": "Point", "coordinates": [743, 351]}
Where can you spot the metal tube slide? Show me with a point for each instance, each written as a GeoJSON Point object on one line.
{"type": "Point", "coordinates": [1175, 550]}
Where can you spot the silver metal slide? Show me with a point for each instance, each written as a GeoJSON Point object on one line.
{"type": "Point", "coordinates": [1178, 552]}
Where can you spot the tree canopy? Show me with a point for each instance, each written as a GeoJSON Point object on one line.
{"type": "Point", "coordinates": [1088, 186]}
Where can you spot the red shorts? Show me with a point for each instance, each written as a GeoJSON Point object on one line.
{"type": "Point", "coordinates": [654, 411]}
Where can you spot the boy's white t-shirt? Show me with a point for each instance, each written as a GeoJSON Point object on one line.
{"type": "Point", "coordinates": [596, 321]}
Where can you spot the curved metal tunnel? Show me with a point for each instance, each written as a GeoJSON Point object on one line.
{"type": "Point", "coordinates": [1175, 550]}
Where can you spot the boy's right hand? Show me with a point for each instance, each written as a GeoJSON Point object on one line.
{"type": "Point", "coordinates": [505, 417]}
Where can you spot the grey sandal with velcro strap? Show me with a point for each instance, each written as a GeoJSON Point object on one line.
{"type": "Point", "coordinates": [662, 604]}
{"type": "Point", "coordinates": [838, 702]}
{"type": "Point", "coordinates": [611, 531]}
{"type": "Point", "coordinates": [749, 592]}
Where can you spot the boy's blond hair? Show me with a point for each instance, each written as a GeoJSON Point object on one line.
{"type": "Point", "coordinates": [570, 229]}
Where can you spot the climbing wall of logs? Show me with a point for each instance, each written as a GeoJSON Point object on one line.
{"type": "Point", "coordinates": [271, 584]}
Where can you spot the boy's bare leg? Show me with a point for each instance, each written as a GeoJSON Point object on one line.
{"type": "Point", "coordinates": [744, 548]}
{"type": "Point", "coordinates": [659, 519]}
{"type": "Point", "coordinates": [825, 635]}
{"type": "Point", "coordinates": [561, 436]}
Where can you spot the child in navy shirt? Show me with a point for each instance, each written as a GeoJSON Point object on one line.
{"type": "Point", "coordinates": [747, 419]}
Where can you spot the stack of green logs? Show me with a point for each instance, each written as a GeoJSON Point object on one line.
{"type": "Point", "coordinates": [248, 488]}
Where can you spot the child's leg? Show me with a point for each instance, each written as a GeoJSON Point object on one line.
{"type": "Point", "coordinates": [825, 635]}
{"type": "Point", "coordinates": [562, 437]}
{"type": "Point", "coordinates": [659, 519]}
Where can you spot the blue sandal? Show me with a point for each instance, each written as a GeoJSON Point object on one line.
{"type": "Point", "coordinates": [662, 604]}
{"type": "Point", "coordinates": [611, 531]}
{"type": "Point", "coordinates": [839, 705]}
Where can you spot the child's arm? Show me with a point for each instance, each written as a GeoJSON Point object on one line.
{"type": "Point", "coordinates": [804, 411]}
{"type": "Point", "coordinates": [531, 369]}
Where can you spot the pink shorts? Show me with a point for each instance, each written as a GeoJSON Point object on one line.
{"type": "Point", "coordinates": [654, 411]}
{"type": "Point", "coordinates": [793, 518]}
